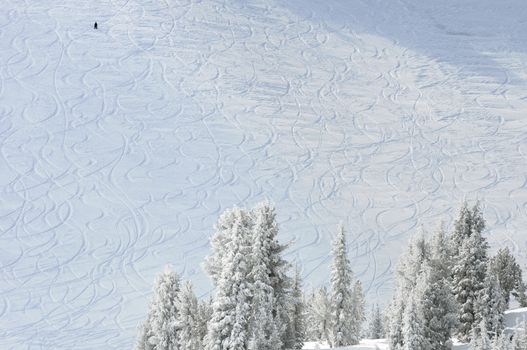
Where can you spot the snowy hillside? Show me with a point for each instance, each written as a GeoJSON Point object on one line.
{"type": "Point", "coordinates": [120, 146]}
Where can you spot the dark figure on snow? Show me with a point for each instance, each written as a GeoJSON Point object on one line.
{"type": "Point", "coordinates": [95, 25]}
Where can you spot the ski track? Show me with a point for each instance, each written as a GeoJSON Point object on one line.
{"type": "Point", "coordinates": [120, 147]}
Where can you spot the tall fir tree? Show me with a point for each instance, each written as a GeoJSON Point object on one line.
{"type": "Point", "coordinates": [159, 331]}
{"type": "Point", "coordinates": [264, 334]}
{"type": "Point", "coordinates": [469, 273]}
{"type": "Point", "coordinates": [413, 329]}
{"type": "Point", "coordinates": [320, 318]}
{"type": "Point", "coordinates": [468, 222]}
{"type": "Point", "coordinates": [439, 309]}
{"type": "Point", "coordinates": [490, 305]}
{"type": "Point", "coordinates": [228, 328]}
{"type": "Point", "coordinates": [480, 339]}
{"type": "Point", "coordinates": [437, 300]}
{"type": "Point", "coordinates": [311, 328]}
{"type": "Point", "coordinates": [376, 326]}
{"type": "Point", "coordinates": [278, 269]}
{"type": "Point", "coordinates": [441, 255]}
{"type": "Point", "coordinates": [359, 310]}
{"type": "Point", "coordinates": [220, 243]}
{"type": "Point", "coordinates": [187, 321]}
{"type": "Point", "coordinates": [406, 275]}
{"type": "Point", "coordinates": [204, 315]}
{"type": "Point", "coordinates": [296, 332]}
{"type": "Point", "coordinates": [342, 296]}
{"type": "Point", "coordinates": [509, 273]}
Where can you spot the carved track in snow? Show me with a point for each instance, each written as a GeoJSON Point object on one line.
{"type": "Point", "coordinates": [120, 147]}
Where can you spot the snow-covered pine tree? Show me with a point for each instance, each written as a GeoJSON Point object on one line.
{"type": "Point", "coordinates": [359, 310]}
{"type": "Point", "coordinates": [342, 297]}
{"type": "Point", "coordinates": [480, 337]}
{"type": "Point", "coordinates": [469, 272]}
{"type": "Point", "coordinates": [187, 321]}
{"type": "Point", "coordinates": [219, 242]}
{"type": "Point", "coordinates": [440, 255]}
{"type": "Point", "coordinates": [320, 316]}
{"type": "Point", "coordinates": [468, 221]}
{"type": "Point", "coordinates": [376, 326]}
{"type": "Point", "coordinates": [311, 326]}
{"type": "Point", "coordinates": [439, 309]}
{"type": "Point", "coordinates": [490, 305]}
{"type": "Point", "coordinates": [413, 329]}
{"type": "Point", "coordinates": [228, 328]}
{"type": "Point", "coordinates": [278, 269]}
{"type": "Point", "coordinates": [263, 331]}
{"type": "Point", "coordinates": [406, 275]}
{"type": "Point", "coordinates": [296, 331]}
{"type": "Point", "coordinates": [145, 333]}
{"type": "Point", "coordinates": [159, 332]}
{"type": "Point", "coordinates": [204, 315]}
{"type": "Point", "coordinates": [522, 294]}
{"type": "Point", "coordinates": [509, 274]}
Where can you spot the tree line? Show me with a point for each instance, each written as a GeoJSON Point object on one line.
{"type": "Point", "coordinates": [258, 303]}
{"type": "Point", "coordinates": [446, 285]}
{"type": "Point", "coordinates": [450, 286]}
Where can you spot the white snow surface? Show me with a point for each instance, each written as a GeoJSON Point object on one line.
{"type": "Point", "coordinates": [366, 344]}
{"type": "Point", "coordinates": [119, 147]}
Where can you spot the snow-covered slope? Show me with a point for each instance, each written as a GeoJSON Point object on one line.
{"type": "Point", "coordinates": [120, 147]}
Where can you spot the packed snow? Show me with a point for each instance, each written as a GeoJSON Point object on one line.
{"type": "Point", "coordinates": [121, 146]}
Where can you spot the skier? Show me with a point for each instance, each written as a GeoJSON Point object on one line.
{"type": "Point", "coordinates": [95, 25]}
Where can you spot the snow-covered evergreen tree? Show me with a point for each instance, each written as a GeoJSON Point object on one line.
{"type": "Point", "coordinates": [228, 328]}
{"type": "Point", "coordinates": [359, 309]}
{"type": "Point", "coordinates": [439, 309]}
{"type": "Point", "coordinates": [395, 320]}
{"type": "Point", "coordinates": [490, 305]}
{"type": "Point", "coordinates": [342, 296]}
{"type": "Point", "coordinates": [376, 326]}
{"type": "Point", "coordinates": [145, 333]}
{"type": "Point", "coordinates": [406, 274]}
{"type": "Point", "coordinates": [413, 329]}
{"type": "Point", "coordinates": [468, 221]}
{"type": "Point", "coordinates": [440, 255]}
{"type": "Point", "coordinates": [311, 326]}
{"type": "Point", "coordinates": [319, 316]}
{"type": "Point", "coordinates": [480, 339]}
{"type": "Point", "coordinates": [469, 273]}
{"type": "Point", "coordinates": [509, 274]}
{"type": "Point", "coordinates": [522, 294]}
{"type": "Point", "coordinates": [264, 334]}
{"type": "Point", "coordinates": [159, 331]}
{"type": "Point", "coordinates": [296, 332]}
{"type": "Point", "coordinates": [204, 315]}
{"type": "Point", "coordinates": [187, 321]}
{"type": "Point", "coordinates": [214, 263]}
{"type": "Point", "coordinates": [278, 268]}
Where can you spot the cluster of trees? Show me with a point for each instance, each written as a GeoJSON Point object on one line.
{"type": "Point", "coordinates": [175, 320]}
{"type": "Point", "coordinates": [257, 304]}
{"type": "Point", "coordinates": [446, 286]}
{"type": "Point", "coordinates": [449, 286]}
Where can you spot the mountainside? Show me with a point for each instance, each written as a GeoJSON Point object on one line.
{"type": "Point", "coordinates": [121, 146]}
